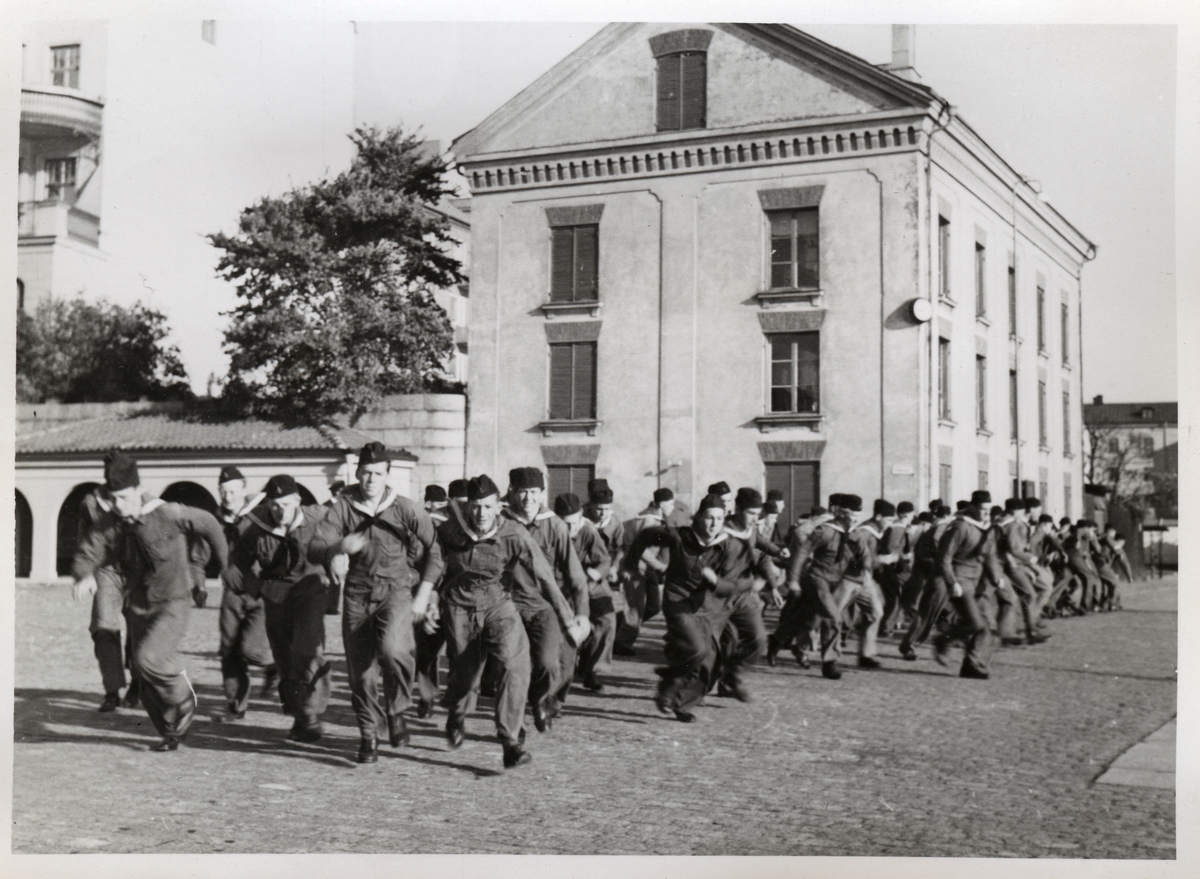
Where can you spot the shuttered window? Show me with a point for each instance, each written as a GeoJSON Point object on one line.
{"type": "Point", "coordinates": [795, 372]}
{"type": "Point", "coordinates": [946, 482]}
{"type": "Point", "coordinates": [64, 66]}
{"type": "Point", "coordinates": [1043, 435]}
{"type": "Point", "coordinates": [1041, 319]}
{"type": "Point", "coordinates": [682, 90]}
{"type": "Point", "coordinates": [1065, 314]}
{"type": "Point", "coordinates": [569, 478]}
{"type": "Point", "coordinates": [944, 257]}
{"type": "Point", "coordinates": [944, 379]}
{"type": "Point", "coordinates": [980, 280]}
{"type": "Point", "coordinates": [574, 263]}
{"type": "Point", "coordinates": [795, 253]}
{"type": "Point", "coordinates": [1012, 404]}
{"type": "Point", "coordinates": [60, 179]}
{"type": "Point", "coordinates": [573, 381]}
{"type": "Point", "coordinates": [1066, 422]}
{"type": "Point", "coordinates": [981, 421]}
{"type": "Point", "coordinates": [800, 482]}
{"type": "Point", "coordinates": [1012, 298]}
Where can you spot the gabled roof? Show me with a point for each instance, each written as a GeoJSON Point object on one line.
{"type": "Point", "coordinates": [186, 432]}
{"type": "Point", "coordinates": [1130, 414]}
{"type": "Point", "coordinates": [781, 40]}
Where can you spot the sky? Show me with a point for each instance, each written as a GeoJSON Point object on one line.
{"type": "Point", "coordinates": [1087, 110]}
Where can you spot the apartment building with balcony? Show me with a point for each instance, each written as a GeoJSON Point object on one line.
{"type": "Point", "coordinates": [733, 251]}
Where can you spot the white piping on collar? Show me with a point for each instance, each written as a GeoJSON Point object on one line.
{"type": "Point", "coordinates": [982, 526]}
{"type": "Point", "coordinates": [244, 509]}
{"type": "Point", "coordinates": [740, 535]}
{"type": "Point", "coordinates": [866, 526]}
{"type": "Point", "coordinates": [720, 538]}
{"type": "Point", "coordinates": [150, 506]}
{"type": "Point", "coordinates": [834, 525]}
{"type": "Point", "coordinates": [389, 498]}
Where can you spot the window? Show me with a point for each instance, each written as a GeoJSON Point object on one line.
{"type": "Point", "coordinates": [681, 91]}
{"type": "Point", "coordinates": [981, 421]}
{"type": "Point", "coordinates": [982, 480]}
{"type": "Point", "coordinates": [945, 483]}
{"type": "Point", "coordinates": [1114, 445]}
{"type": "Point", "coordinates": [1043, 490]}
{"type": "Point", "coordinates": [64, 68]}
{"type": "Point", "coordinates": [574, 263]}
{"type": "Point", "coordinates": [208, 31]}
{"type": "Point", "coordinates": [573, 381]}
{"type": "Point", "coordinates": [980, 280]}
{"type": "Point", "coordinates": [1066, 334]}
{"type": "Point", "coordinates": [1041, 318]}
{"type": "Point", "coordinates": [572, 478]}
{"type": "Point", "coordinates": [944, 379]}
{"type": "Point", "coordinates": [1012, 298]}
{"type": "Point", "coordinates": [800, 482]}
{"type": "Point", "coordinates": [795, 257]}
{"type": "Point", "coordinates": [1043, 438]}
{"type": "Point", "coordinates": [1066, 494]}
{"type": "Point", "coordinates": [60, 179]}
{"type": "Point", "coordinates": [1066, 421]}
{"type": "Point", "coordinates": [795, 372]}
{"type": "Point", "coordinates": [1145, 446]}
{"type": "Point", "coordinates": [20, 295]}
{"type": "Point", "coordinates": [944, 255]}
{"type": "Point", "coordinates": [1012, 404]}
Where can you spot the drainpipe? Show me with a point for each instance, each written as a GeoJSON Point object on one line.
{"type": "Point", "coordinates": [882, 318]}
{"type": "Point", "coordinates": [947, 111]}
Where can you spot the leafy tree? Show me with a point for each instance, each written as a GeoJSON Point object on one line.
{"type": "Point", "coordinates": [335, 283]}
{"type": "Point", "coordinates": [77, 351]}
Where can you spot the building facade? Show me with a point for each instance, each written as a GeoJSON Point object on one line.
{"type": "Point", "coordinates": [735, 252]}
{"type": "Point", "coordinates": [1133, 450]}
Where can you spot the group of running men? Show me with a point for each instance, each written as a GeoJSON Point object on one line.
{"type": "Point", "coordinates": [527, 598]}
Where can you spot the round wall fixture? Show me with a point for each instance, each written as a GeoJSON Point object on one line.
{"type": "Point", "coordinates": [921, 310]}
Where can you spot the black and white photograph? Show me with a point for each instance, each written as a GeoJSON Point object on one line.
{"type": "Point", "coordinates": [519, 432]}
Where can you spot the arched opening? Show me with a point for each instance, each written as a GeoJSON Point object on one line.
{"type": "Point", "coordinates": [69, 523]}
{"type": "Point", "coordinates": [192, 495]}
{"type": "Point", "coordinates": [24, 536]}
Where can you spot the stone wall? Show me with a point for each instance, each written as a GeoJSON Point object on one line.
{"type": "Point", "coordinates": [431, 426]}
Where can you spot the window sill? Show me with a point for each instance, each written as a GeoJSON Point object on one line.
{"type": "Point", "coordinates": [946, 422]}
{"type": "Point", "coordinates": [567, 425]}
{"type": "Point", "coordinates": [1069, 455]}
{"type": "Point", "coordinates": [777, 420]}
{"type": "Point", "coordinates": [1043, 353]}
{"type": "Point", "coordinates": [553, 309]}
{"type": "Point", "coordinates": [982, 319]}
{"type": "Point", "coordinates": [946, 300]}
{"type": "Point", "coordinates": [1066, 366]}
{"type": "Point", "coordinates": [982, 431]}
{"type": "Point", "coordinates": [1046, 449]}
{"type": "Point", "coordinates": [768, 298]}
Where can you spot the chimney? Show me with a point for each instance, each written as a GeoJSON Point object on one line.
{"type": "Point", "coordinates": [1098, 400]}
{"type": "Point", "coordinates": [904, 52]}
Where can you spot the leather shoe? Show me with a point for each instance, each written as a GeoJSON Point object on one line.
{"type": "Point", "coordinates": [424, 708]}
{"type": "Point", "coordinates": [941, 649]}
{"type": "Point", "coordinates": [110, 703]}
{"type": "Point", "coordinates": [368, 751]}
{"type": "Point", "coordinates": [514, 756]}
{"type": "Point", "coordinates": [397, 730]}
{"type": "Point", "coordinates": [306, 732]}
{"type": "Point", "coordinates": [542, 721]}
{"type": "Point", "coordinates": [869, 662]}
{"type": "Point", "coordinates": [801, 657]}
{"type": "Point", "coordinates": [168, 743]}
{"type": "Point", "coordinates": [454, 733]}
{"type": "Point", "coordinates": [908, 653]}
{"type": "Point", "coordinates": [622, 650]}
{"type": "Point", "coordinates": [685, 717]}
{"type": "Point", "coordinates": [133, 695]}
{"type": "Point", "coordinates": [592, 684]}
{"type": "Point", "coordinates": [830, 670]}
{"type": "Point", "coordinates": [270, 682]}
{"type": "Point", "coordinates": [973, 673]}
{"type": "Point", "coordinates": [1038, 638]}
{"type": "Point", "coordinates": [1012, 642]}
{"type": "Point", "coordinates": [772, 650]}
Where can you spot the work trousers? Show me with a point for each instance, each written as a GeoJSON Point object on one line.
{"type": "Point", "coordinates": [156, 631]}
{"type": "Point", "coordinates": [1089, 583]}
{"type": "Point", "coordinates": [867, 600]}
{"type": "Point", "coordinates": [971, 628]}
{"type": "Point", "coordinates": [475, 635]}
{"type": "Point", "coordinates": [892, 580]}
{"type": "Point", "coordinates": [1022, 584]}
{"type": "Point", "coordinates": [377, 634]}
{"type": "Point", "coordinates": [296, 630]}
{"type": "Point", "coordinates": [1108, 595]}
{"type": "Point", "coordinates": [690, 652]}
{"type": "Point", "coordinates": [933, 602]}
{"type": "Point", "coordinates": [815, 605]}
{"type": "Point", "coordinates": [743, 636]}
{"type": "Point", "coordinates": [595, 653]}
{"type": "Point", "coordinates": [643, 598]}
{"type": "Point", "coordinates": [428, 647]}
{"type": "Point", "coordinates": [242, 625]}
{"type": "Point", "coordinates": [199, 585]}
{"type": "Point", "coordinates": [547, 646]}
{"type": "Point", "coordinates": [108, 607]}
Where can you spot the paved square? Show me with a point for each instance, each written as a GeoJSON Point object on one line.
{"type": "Point", "coordinates": [907, 761]}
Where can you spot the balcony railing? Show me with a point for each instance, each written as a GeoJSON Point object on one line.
{"type": "Point", "coordinates": [57, 219]}
{"type": "Point", "coordinates": [52, 111]}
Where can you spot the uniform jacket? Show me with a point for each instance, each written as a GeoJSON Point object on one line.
{"type": "Point", "coordinates": [827, 555]}
{"type": "Point", "coordinates": [728, 557]}
{"type": "Point", "coordinates": [1043, 544]}
{"type": "Point", "coordinates": [152, 551]}
{"type": "Point", "coordinates": [612, 532]}
{"type": "Point", "coordinates": [966, 551]}
{"type": "Point", "coordinates": [397, 527]}
{"type": "Point", "coordinates": [753, 538]}
{"type": "Point", "coordinates": [868, 539]}
{"type": "Point", "coordinates": [270, 560]}
{"type": "Point", "coordinates": [593, 556]}
{"type": "Point", "coordinates": [476, 565]}
{"type": "Point", "coordinates": [96, 543]}
{"type": "Point", "coordinates": [1012, 543]}
{"type": "Point", "coordinates": [925, 552]}
{"type": "Point", "coordinates": [552, 535]}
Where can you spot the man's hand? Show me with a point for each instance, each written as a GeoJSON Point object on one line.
{"type": "Point", "coordinates": [354, 543]}
{"type": "Point", "coordinates": [776, 598]}
{"type": "Point", "coordinates": [785, 553]}
{"type": "Point", "coordinates": [793, 588]}
{"type": "Point", "coordinates": [709, 576]}
{"type": "Point", "coordinates": [578, 630]}
{"type": "Point", "coordinates": [956, 591]}
{"type": "Point", "coordinates": [594, 575]}
{"type": "Point", "coordinates": [887, 559]}
{"type": "Point", "coordinates": [339, 566]}
{"type": "Point", "coordinates": [85, 588]}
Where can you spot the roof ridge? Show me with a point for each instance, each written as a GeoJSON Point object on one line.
{"type": "Point", "coordinates": [329, 431]}
{"type": "Point", "coordinates": [65, 425]}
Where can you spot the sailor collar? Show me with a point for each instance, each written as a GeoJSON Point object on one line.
{"type": "Point", "coordinates": [740, 535]}
{"type": "Point", "coordinates": [471, 533]}
{"type": "Point", "coordinates": [244, 509]}
{"type": "Point", "coordinates": [541, 515]}
{"type": "Point", "coordinates": [720, 538]}
{"type": "Point", "coordinates": [834, 525]}
{"type": "Point", "coordinates": [982, 526]}
{"type": "Point", "coordinates": [279, 530]}
{"type": "Point", "coordinates": [866, 526]}
{"type": "Point", "coordinates": [359, 503]}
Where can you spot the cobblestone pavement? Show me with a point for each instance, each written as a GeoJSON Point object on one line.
{"type": "Point", "coordinates": [906, 761]}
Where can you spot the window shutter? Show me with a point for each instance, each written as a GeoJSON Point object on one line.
{"type": "Point", "coordinates": [584, 380]}
{"type": "Point", "coordinates": [779, 479]}
{"type": "Point", "coordinates": [586, 262]}
{"type": "Point", "coordinates": [694, 89]}
{"type": "Point", "coordinates": [562, 246]}
{"type": "Point", "coordinates": [558, 481]}
{"type": "Point", "coordinates": [560, 381]}
{"type": "Point", "coordinates": [668, 93]}
{"type": "Point", "coordinates": [806, 486]}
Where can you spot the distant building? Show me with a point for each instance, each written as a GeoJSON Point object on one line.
{"type": "Point", "coordinates": [733, 251]}
{"type": "Point", "coordinates": [180, 452]}
{"type": "Point", "coordinates": [1134, 446]}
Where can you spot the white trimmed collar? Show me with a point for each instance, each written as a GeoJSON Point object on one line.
{"type": "Point", "coordinates": [150, 506]}
{"type": "Point", "coordinates": [279, 530]}
{"type": "Point", "coordinates": [866, 526]}
{"type": "Point", "coordinates": [740, 535]}
{"type": "Point", "coordinates": [356, 500]}
{"type": "Point", "coordinates": [245, 508]}
{"type": "Point", "coordinates": [982, 526]}
{"type": "Point", "coordinates": [720, 538]}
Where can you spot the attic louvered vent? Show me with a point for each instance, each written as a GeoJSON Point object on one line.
{"type": "Point", "coordinates": [682, 87]}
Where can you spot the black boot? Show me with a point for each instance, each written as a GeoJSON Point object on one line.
{"type": "Point", "coordinates": [110, 703]}
{"type": "Point", "coordinates": [133, 695]}
{"type": "Point", "coordinates": [830, 670]}
{"type": "Point", "coordinates": [772, 650]}
{"type": "Point", "coordinates": [454, 733]}
{"type": "Point", "coordinates": [514, 756]}
{"type": "Point", "coordinates": [368, 751]}
{"type": "Point", "coordinates": [397, 730]}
